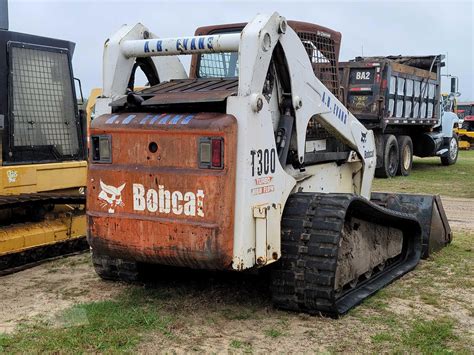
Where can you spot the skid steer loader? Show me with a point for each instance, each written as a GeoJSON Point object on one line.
{"type": "Point", "coordinates": [42, 152]}
{"type": "Point", "coordinates": [250, 162]}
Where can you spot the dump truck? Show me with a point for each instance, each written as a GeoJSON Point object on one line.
{"type": "Point", "coordinates": [250, 162]}
{"type": "Point", "coordinates": [42, 153]}
{"type": "Point", "coordinates": [399, 99]}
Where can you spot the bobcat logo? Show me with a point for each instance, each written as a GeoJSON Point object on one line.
{"type": "Point", "coordinates": [363, 137]}
{"type": "Point", "coordinates": [111, 196]}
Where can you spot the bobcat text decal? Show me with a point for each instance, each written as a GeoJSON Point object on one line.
{"type": "Point", "coordinates": [151, 200]}
{"type": "Point", "coordinates": [165, 201]}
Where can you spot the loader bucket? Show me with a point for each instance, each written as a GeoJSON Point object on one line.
{"type": "Point", "coordinates": [429, 211]}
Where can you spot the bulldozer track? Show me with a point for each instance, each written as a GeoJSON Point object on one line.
{"type": "Point", "coordinates": [18, 261]}
{"type": "Point", "coordinates": [43, 198]}
{"type": "Point", "coordinates": [312, 225]}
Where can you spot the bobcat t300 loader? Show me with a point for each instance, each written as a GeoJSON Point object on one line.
{"type": "Point", "coordinates": [251, 162]}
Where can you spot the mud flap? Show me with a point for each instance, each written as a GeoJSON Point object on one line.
{"type": "Point", "coordinates": [428, 210]}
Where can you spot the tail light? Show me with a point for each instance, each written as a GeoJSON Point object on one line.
{"type": "Point", "coordinates": [211, 153]}
{"type": "Point", "coordinates": [101, 149]}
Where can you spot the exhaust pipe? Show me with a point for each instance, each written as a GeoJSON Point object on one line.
{"type": "Point", "coordinates": [4, 15]}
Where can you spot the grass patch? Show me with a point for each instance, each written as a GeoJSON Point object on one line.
{"type": "Point", "coordinates": [241, 346]}
{"type": "Point", "coordinates": [420, 336]}
{"type": "Point", "coordinates": [106, 326]}
{"type": "Point", "coordinates": [239, 313]}
{"type": "Point", "coordinates": [273, 333]}
{"type": "Point", "coordinates": [430, 337]}
{"type": "Point", "coordinates": [236, 344]}
{"type": "Point", "coordinates": [378, 301]}
{"type": "Point", "coordinates": [382, 337]}
{"type": "Point", "coordinates": [431, 299]}
{"type": "Point", "coordinates": [429, 176]}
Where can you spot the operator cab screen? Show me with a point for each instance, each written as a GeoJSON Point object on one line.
{"type": "Point", "coordinates": [219, 65]}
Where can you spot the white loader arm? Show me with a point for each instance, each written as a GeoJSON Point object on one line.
{"type": "Point", "coordinates": [256, 45]}
{"type": "Point", "coordinates": [309, 96]}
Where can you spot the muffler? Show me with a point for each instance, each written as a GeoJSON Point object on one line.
{"type": "Point", "coordinates": [430, 213]}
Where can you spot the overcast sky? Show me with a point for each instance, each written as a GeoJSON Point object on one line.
{"type": "Point", "coordinates": [379, 27]}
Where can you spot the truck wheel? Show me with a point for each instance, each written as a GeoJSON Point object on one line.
{"type": "Point", "coordinates": [115, 269]}
{"type": "Point", "coordinates": [453, 149]}
{"type": "Point", "coordinates": [405, 147]}
{"type": "Point", "coordinates": [390, 157]}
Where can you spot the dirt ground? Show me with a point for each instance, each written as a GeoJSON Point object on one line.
{"type": "Point", "coordinates": [43, 291]}
{"type": "Point", "coordinates": [460, 212]}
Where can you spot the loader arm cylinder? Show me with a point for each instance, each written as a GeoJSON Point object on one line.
{"type": "Point", "coordinates": [183, 45]}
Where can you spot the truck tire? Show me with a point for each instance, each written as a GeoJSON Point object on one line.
{"type": "Point", "coordinates": [109, 268]}
{"type": "Point", "coordinates": [453, 150]}
{"type": "Point", "coordinates": [390, 157]}
{"type": "Point", "coordinates": [405, 148]}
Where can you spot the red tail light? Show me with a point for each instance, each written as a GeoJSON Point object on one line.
{"type": "Point", "coordinates": [216, 153]}
{"type": "Point", "coordinates": [211, 153]}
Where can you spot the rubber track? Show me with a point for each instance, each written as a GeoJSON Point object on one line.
{"type": "Point", "coordinates": [115, 269]}
{"type": "Point", "coordinates": [312, 223]}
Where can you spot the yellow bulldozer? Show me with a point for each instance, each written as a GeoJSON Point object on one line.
{"type": "Point", "coordinates": [42, 150]}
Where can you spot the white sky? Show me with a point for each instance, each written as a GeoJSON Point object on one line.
{"type": "Point", "coordinates": [380, 27]}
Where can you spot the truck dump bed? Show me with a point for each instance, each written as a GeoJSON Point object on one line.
{"type": "Point", "coordinates": [393, 90]}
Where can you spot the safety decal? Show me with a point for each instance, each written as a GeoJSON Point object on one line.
{"type": "Point", "coordinates": [12, 175]}
{"type": "Point", "coordinates": [160, 119]}
{"type": "Point", "coordinates": [111, 119]}
{"type": "Point", "coordinates": [128, 119]}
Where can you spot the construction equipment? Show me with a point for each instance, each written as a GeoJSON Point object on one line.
{"type": "Point", "coordinates": [465, 111]}
{"type": "Point", "coordinates": [42, 158]}
{"type": "Point", "coordinates": [252, 161]}
{"type": "Point", "coordinates": [399, 99]}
